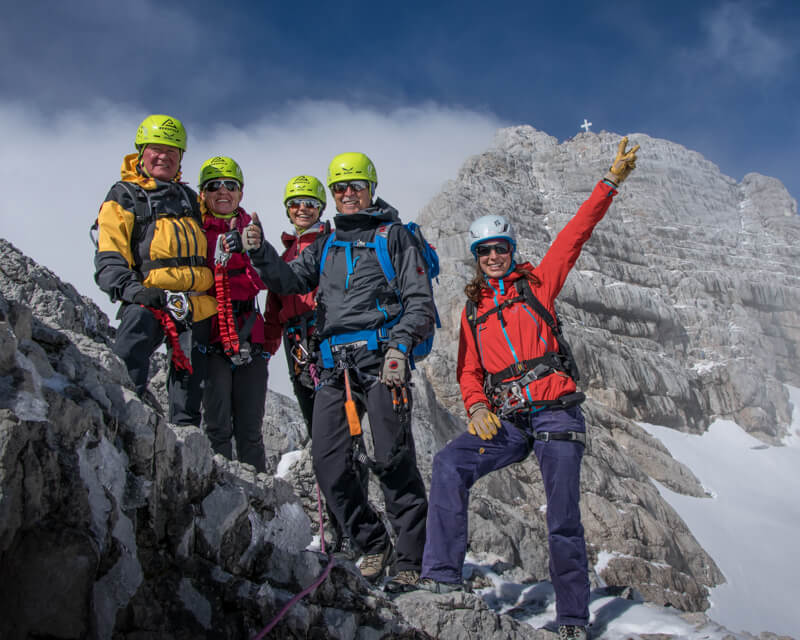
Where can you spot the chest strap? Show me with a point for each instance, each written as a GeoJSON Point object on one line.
{"type": "Point", "coordinates": [163, 263]}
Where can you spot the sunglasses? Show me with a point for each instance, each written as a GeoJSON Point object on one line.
{"type": "Point", "coordinates": [216, 185]}
{"type": "Point", "coordinates": [296, 203]}
{"type": "Point", "coordinates": [485, 249]}
{"type": "Point", "coordinates": [357, 185]}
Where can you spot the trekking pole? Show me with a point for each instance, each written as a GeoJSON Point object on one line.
{"type": "Point", "coordinates": [353, 420]}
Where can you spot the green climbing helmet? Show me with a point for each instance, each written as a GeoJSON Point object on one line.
{"type": "Point", "coordinates": [220, 167]}
{"type": "Point", "coordinates": [352, 166]}
{"type": "Point", "coordinates": [308, 186]}
{"type": "Point", "coordinates": [161, 129]}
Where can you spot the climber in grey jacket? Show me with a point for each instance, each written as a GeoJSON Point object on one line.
{"type": "Point", "coordinates": [367, 326]}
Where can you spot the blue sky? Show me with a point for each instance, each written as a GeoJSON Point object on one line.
{"type": "Point", "coordinates": [716, 76]}
{"type": "Point", "coordinates": [282, 87]}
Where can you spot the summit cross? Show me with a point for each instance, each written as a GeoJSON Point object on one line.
{"type": "Point", "coordinates": [586, 125]}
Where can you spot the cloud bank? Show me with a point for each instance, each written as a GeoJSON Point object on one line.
{"type": "Point", "coordinates": [61, 168]}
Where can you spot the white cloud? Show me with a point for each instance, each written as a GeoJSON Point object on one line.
{"type": "Point", "coordinates": [736, 40]}
{"type": "Point", "coordinates": [59, 170]}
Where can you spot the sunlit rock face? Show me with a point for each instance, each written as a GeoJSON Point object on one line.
{"type": "Point", "coordinates": [683, 307]}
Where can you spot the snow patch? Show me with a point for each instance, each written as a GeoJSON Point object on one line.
{"type": "Point", "coordinates": [286, 462]}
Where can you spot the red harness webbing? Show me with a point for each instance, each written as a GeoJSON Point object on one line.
{"type": "Point", "coordinates": [179, 358]}
{"type": "Point", "coordinates": [227, 323]}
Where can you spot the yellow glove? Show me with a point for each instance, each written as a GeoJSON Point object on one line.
{"type": "Point", "coordinates": [483, 423]}
{"type": "Point", "coordinates": [623, 164]}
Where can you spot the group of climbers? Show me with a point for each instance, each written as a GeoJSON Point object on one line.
{"type": "Point", "coordinates": [350, 302]}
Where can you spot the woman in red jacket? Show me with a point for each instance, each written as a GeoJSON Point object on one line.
{"type": "Point", "coordinates": [236, 381]}
{"type": "Point", "coordinates": [293, 314]}
{"type": "Point", "coordinates": [517, 381]}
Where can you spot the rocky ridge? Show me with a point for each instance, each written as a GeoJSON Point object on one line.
{"type": "Point", "coordinates": [134, 530]}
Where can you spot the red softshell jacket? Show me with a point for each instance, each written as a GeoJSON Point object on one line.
{"type": "Point", "coordinates": [525, 335]}
{"type": "Point", "coordinates": [281, 309]}
{"type": "Point", "coordinates": [244, 281]}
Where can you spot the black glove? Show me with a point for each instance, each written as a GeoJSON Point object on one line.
{"type": "Point", "coordinates": [151, 297]}
{"type": "Point", "coordinates": [233, 240]}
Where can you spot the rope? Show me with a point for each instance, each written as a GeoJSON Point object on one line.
{"type": "Point", "coordinates": [311, 587]}
{"type": "Point", "coordinates": [227, 324]}
{"type": "Point", "coordinates": [179, 358]}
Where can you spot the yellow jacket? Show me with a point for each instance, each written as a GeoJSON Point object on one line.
{"type": "Point", "coordinates": [150, 235]}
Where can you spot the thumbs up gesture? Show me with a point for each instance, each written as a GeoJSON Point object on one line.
{"type": "Point", "coordinates": [253, 234]}
{"type": "Point", "coordinates": [233, 240]}
{"type": "Point", "coordinates": [623, 164]}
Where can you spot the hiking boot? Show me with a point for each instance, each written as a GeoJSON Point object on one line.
{"type": "Point", "coordinates": [373, 565]}
{"type": "Point", "coordinates": [405, 581]}
{"type": "Point", "coordinates": [434, 586]}
{"type": "Point", "coordinates": [571, 632]}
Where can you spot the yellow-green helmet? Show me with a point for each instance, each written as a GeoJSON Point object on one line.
{"type": "Point", "coordinates": [352, 166]}
{"type": "Point", "coordinates": [220, 167]}
{"type": "Point", "coordinates": [161, 129]}
{"type": "Point", "coordinates": [305, 186]}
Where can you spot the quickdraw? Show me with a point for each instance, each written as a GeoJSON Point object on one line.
{"type": "Point", "coordinates": [179, 358]}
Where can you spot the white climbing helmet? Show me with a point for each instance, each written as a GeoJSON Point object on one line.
{"type": "Point", "coordinates": [491, 228]}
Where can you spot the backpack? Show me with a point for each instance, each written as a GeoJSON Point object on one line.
{"type": "Point", "coordinates": [381, 245]}
{"type": "Point", "coordinates": [562, 360]}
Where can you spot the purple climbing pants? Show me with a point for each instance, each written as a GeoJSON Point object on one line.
{"type": "Point", "coordinates": [467, 458]}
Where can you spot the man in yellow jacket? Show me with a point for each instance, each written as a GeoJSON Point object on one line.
{"type": "Point", "coordinates": [151, 256]}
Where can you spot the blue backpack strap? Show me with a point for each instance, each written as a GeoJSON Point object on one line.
{"type": "Point", "coordinates": [325, 248]}
{"type": "Point", "coordinates": [382, 251]}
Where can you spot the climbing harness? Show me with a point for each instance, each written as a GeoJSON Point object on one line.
{"type": "Point", "coordinates": [506, 389]}
{"type": "Point", "coordinates": [300, 352]}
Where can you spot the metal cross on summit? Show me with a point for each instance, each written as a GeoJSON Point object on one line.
{"type": "Point", "coordinates": [586, 125]}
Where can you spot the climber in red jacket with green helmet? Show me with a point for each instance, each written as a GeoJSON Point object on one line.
{"type": "Point", "coordinates": [236, 380]}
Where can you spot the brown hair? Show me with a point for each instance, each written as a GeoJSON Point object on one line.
{"type": "Point", "coordinates": [478, 283]}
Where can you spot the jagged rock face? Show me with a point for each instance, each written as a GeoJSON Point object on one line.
{"type": "Point", "coordinates": [113, 524]}
{"type": "Point", "coordinates": [685, 303]}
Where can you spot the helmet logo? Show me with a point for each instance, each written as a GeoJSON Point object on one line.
{"type": "Point", "coordinates": [170, 125]}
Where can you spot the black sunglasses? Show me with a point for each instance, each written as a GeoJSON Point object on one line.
{"type": "Point", "coordinates": [357, 185]}
{"type": "Point", "coordinates": [485, 249]}
{"type": "Point", "coordinates": [215, 185]}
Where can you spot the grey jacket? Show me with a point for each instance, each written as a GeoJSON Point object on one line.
{"type": "Point", "coordinates": [363, 299]}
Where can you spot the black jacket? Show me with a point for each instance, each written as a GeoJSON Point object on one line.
{"type": "Point", "coordinates": [363, 299]}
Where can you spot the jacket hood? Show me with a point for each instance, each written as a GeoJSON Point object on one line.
{"type": "Point", "coordinates": [129, 171]}
{"type": "Point", "coordinates": [380, 212]}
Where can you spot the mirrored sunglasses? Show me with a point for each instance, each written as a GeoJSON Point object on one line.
{"type": "Point", "coordinates": [486, 249]}
{"type": "Point", "coordinates": [296, 203]}
{"type": "Point", "coordinates": [357, 185]}
{"type": "Point", "coordinates": [216, 185]}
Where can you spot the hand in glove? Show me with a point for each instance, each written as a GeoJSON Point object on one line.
{"type": "Point", "coordinates": [393, 373]}
{"type": "Point", "coordinates": [151, 297]}
{"type": "Point", "coordinates": [623, 164]}
{"type": "Point", "coordinates": [253, 233]}
{"type": "Point", "coordinates": [483, 423]}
